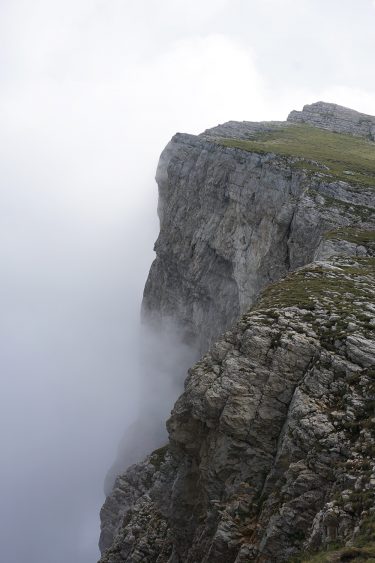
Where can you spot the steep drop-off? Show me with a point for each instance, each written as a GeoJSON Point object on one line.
{"type": "Point", "coordinates": [271, 446]}
{"type": "Point", "coordinates": [238, 212]}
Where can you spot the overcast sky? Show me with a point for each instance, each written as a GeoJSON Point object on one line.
{"type": "Point", "coordinates": [90, 92]}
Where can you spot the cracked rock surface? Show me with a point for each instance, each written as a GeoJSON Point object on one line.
{"type": "Point", "coordinates": [268, 265]}
{"type": "Point", "coordinates": [231, 222]}
{"type": "Point", "coordinates": [271, 446]}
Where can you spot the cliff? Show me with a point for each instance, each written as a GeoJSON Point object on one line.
{"type": "Point", "coordinates": [265, 259]}
{"type": "Point", "coordinates": [239, 212]}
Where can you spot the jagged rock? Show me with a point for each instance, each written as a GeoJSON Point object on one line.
{"type": "Point", "coordinates": [276, 420]}
{"type": "Point", "coordinates": [272, 444]}
{"type": "Point", "coordinates": [336, 118]}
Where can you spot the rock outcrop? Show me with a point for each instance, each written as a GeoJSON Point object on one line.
{"type": "Point", "coordinates": [336, 118]}
{"type": "Point", "coordinates": [271, 446]}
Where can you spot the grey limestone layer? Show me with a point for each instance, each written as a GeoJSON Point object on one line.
{"type": "Point", "coordinates": [232, 222]}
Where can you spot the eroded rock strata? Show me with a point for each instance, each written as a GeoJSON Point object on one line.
{"type": "Point", "coordinates": [272, 445]}
{"type": "Point", "coordinates": [232, 221]}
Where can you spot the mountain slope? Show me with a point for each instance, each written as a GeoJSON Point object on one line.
{"type": "Point", "coordinates": [271, 445]}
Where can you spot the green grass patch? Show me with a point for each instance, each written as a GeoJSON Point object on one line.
{"type": "Point", "coordinates": [347, 158]}
{"type": "Point", "coordinates": [350, 234]}
{"type": "Point", "coordinates": [341, 290]}
{"type": "Point", "coordinates": [306, 287]}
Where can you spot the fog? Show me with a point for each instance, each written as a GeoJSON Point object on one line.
{"type": "Point", "coordinates": [90, 93]}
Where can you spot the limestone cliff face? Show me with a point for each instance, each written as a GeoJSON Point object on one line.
{"type": "Point", "coordinates": [232, 222]}
{"type": "Point", "coordinates": [271, 446]}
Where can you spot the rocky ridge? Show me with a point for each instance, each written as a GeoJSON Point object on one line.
{"type": "Point", "coordinates": [336, 118]}
{"type": "Point", "coordinates": [271, 445]}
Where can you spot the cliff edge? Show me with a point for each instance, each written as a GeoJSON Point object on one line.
{"type": "Point", "coordinates": [265, 260]}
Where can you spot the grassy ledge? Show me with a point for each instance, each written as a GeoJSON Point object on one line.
{"type": "Point", "coordinates": [346, 158]}
{"type": "Point", "coordinates": [338, 287]}
{"type": "Point", "coordinates": [350, 234]}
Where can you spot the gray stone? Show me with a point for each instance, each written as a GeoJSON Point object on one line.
{"type": "Point", "coordinates": [336, 118]}
{"type": "Point", "coordinates": [232, 222]}
{"type": "Point", "coordinates": [271, 444]}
